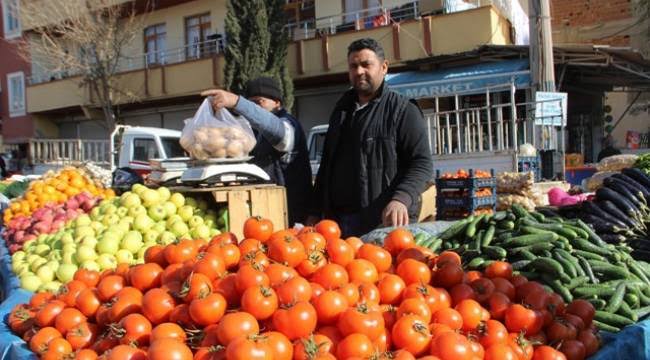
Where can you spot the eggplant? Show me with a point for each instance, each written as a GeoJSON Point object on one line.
{"type": "Point", "coordinates": [641, 255]}
{"type": "Point", "coordinates": [640, 188]}
{"type": "Point", "coordinates": [547, 212]}
{"type": "Point", "coordinates": [592, 208]}
{"type": "Point", "coordinates": [622, 188]}
{"type": "Point", "coordinates": [638, 175]}
{"type": "Point", "coordinates": [612, 238]}
{"type": "Point", "coordinates": [601, 225]}
{"type": "Point", "coordinates": [616, 213]}
{"type": "Point", "coordinates": [619, 200]}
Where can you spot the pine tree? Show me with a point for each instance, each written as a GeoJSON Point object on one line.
{"type": "Point", "coordinates": [257, 41]}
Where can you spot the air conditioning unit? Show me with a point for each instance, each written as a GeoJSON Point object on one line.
{"type": "Point", "coordinates": [429, 7]}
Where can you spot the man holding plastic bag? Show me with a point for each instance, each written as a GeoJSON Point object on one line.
{"type": "Point", "coordinates": [281, 145]}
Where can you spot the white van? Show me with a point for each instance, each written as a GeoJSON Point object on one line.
{"type": "Point", "coordinates": [315, 144]}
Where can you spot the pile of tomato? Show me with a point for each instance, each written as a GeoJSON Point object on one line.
{"type": "Point", "coordinates": [304, 294]}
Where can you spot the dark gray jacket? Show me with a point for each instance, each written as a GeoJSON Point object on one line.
{"type": "Point", "coordinates": [395, 159]}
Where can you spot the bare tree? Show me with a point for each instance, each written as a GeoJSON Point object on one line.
{"type": "Point", "coordinates": [86, 39]}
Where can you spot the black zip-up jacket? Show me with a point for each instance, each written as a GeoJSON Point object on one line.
{"type": "Point", "coordinates": [394, 162]}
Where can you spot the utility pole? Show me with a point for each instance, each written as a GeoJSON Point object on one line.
{"type": "Point", "coordinates": [541, 45]}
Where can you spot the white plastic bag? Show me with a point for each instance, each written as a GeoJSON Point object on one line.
{"type": "Point", "coordinates": [216, 135]}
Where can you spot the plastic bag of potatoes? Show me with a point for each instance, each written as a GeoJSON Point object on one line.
{"type": "Point", "coordinates": [216, 135]}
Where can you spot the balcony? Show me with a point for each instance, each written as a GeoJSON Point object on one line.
{"type": "Point", "coordinates": [188, 70]}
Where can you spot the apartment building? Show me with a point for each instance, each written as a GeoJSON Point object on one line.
{"type": "Point", "coordinates": [180, 55]}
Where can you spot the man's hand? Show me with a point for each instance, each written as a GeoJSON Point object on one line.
{"type": "Point", "coordinates": [395, 214]}
{"type": "Point", "coordinates": [221, 98]}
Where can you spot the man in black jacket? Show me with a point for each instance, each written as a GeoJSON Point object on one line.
{"type": "Point", "coordinates": [376, 158]}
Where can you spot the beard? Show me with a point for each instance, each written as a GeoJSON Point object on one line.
{"type": "Point", "coordinates": [364, 86]}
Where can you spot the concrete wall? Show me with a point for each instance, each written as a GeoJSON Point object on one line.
{"type": "Point", "coordinates": [639, 121]}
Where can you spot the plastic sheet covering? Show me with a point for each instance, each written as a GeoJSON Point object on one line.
{"type": "Point", "coordinates": [11, 346]}
{"type": "Point", "coordinates": [431, 228]}
{"type": "Point", "coordinates": [632, 343]}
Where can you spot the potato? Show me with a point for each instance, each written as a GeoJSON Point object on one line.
{"type": "Point", "coordinates": [214, 133]}
{"type": "Point", "coordinates": [215, 143]}
{"type": "Point", "coordinates": [220, 153]}
{"type": "Point", "coordinates": [201, 135]}
{"type": "Point", "coordinates": [186, 141]}
{"type": "Point", "coordinates": [235, 149]}
{"type": "Point", "coordinates": [198, 152]}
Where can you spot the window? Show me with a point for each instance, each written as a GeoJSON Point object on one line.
{"type": "Point", "coordinates": [155, 37]}
{"type": "Point", "coordinates": [197, 32]}
{"type": "Point", "coordinates": [11, 20]}
{"type": "Point", "coordinates": [172, 147]}
{"type": "Point", "coordinates": [16, 92]}
{"type": "Point", "coordinates": [145, 149]}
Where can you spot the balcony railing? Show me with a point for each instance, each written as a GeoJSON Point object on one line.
{"type": "Point", "coordinates": [181, 54]}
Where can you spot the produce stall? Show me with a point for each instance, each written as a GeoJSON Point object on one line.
{"type": "Point", "coordinates": [122, 275]}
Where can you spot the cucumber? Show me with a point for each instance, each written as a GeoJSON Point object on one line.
{"type": "Point", "coordinates": [549, 266]}
{"type": "Point", "coordinates": [566, 232]}
{"type": "Point", "coordinates": [637, 270]}
{"type": "Point", "coordinates": [612, 319]}
{"type": "Point", "coordinates": [592, 234]}
{"type": "Point", "coordinates": [506, 224]}
{"type": "Point", "coordinates": [539, 217]}
{"type": "Point", "coordinates": [573, 260]}
{"type": "Point", "coordinates": [615, 301]}
{"type": "Point", "coordinates": [606, 327]}
{"type": "Point", "coordinates": [632, 300]}
{"type": "Point", "coordinates": [495, 252]}
{"type": "Point", "coordinates": [489, 235]}
{"type": "Point", "coordinates": [456, 228]}
{"type": "Point", "coordinates": [626, 311]}
{"type": "Point", "coordinates": [581, 233]}
{"type": "Point", "coordinates": [556, 285]}
{"type": "Point", "coordinates": [421, 238]}
{"type": "Point", "coordinates": [525, 240]}
{"type": "Point", "coordinates": [587, 269]}
{"type": "Point", "coordinates": [435, 245]}
{"type": "Point", "coordinates": [588, 255]}
{"type": "Point", "coordinates": [587, 291]}
{"type": "Point", "coordinates": [642, 312]}
{"type": "Point", "coordinates": [520, 265]}
{"type": "Point", "coordinates": [585, 245]}
{"type": "Point", "coordinates": [470, 230]}
{"type": "Point", "coordinates": [566, 264]}
{"type": "Point", "coordinates": [611, 271]}
{"type": "Point", "coordinates": [533, 230]}
{"type": "Point", "coordinates": [475, 242]}
{"type": "Point", "coordinates": [576, 281]}
{"type": "Point", "coordinates": [499, 215]}
{"type": "Point", "coordinates": [519, 211]}
{"type": "Point", "coordinates": [428, 242]}
{"type": "Point", "coordinates": [530, 275]}
{"type": "Point", "coordinates": [476, 263]}
{"type": "Point", "coordinates": [537, 249]}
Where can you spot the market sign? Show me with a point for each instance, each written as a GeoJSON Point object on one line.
{"type": "Point", "coordinates": [551, 108]}
{"type": "Point", "coordinates": [462, 80]}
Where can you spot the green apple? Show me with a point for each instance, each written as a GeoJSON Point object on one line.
{"type": "Point", "coordinates": [56, 254]}
{"type": "Point", "coordinates": [122, 211]}
{"type": "Point", "coordinates": [137, 210]}
{"type": "Point", "coordinates": [90, 265]}
{"type": "Point", "coordinates": [67, 238]}
{"type": "Point", "coordinates": [82, 231]}
{"type": "Point", "coordinates": [157, 212]}
{"type": "Point", "coordinates": [166, 238]}
{"type": "Point", "coordinates": [89, 241]}
{"type": "Point", "coordinates": [142, 223]}
{"type": "Point", "coordinates": [95, 212]}
{"type": "Point", "coordinates": [37, 264]}
{"type": "Point", "coordinates": [186, 212]}
{"type": "Point", "coordinates": [195, 221]}
{"type": "Point", "coordinates": [172, 219]}
{"type": "Point", "coordinates": [124, 256]}
{"type": "Point", "coordinates": [140, 254]}
{"type": "Point", "coordinates": [170, 208]}
{"type": "Point", "coordinates": [69, 248]}
{"type": "Point", "coordinates": [109, 209]}
{"type": "Point", "coordinates": [85, 253]}
{"type": "Point", "coordinates": [109, 244]}
{"type": "Point", "coordinates": [179, 228]}
{"type": "Point", "coordinates": [65, 272]}
{"type": "Point", "coordinates": [31, 257]}
{"type": "Point", "coordinates": [97, 226]}
{"type": "Point", "coordinates": [56, 244]}
{"type": "Point", "coordinates": [130, 200]}
{"type": "Point", "coordinates": [150, 197]}
{"type": "Point", "coordinates": [160, 226]}
{"type": "Point", "coordinates": [19, 256]}
{"type": "Point", "coordinates": [164, 193]}
{"type": "Point", "coordinates": [214, 232]}
{"type": "Point", "coordinates": [82, 220]}
{"type": "Point", "coordinates": [138, 188]}
{"type": "Point", "coordinates": [45, 273]}
{"type": "Point", "coordinates": [21, 269]}
{"type": "Point", "coordinates": [132, 242]}
{"type": "Point", "coordinates": [107, 261]}
{"type": "Point", "coordinates": [42, 250]}
{"type": "Point", "coordinates": [69, 258]}
{"type": "Point", "coordinates": [110, 219]}
{"type": "Point", "coordinates": [201, 231]}
{"type": "Point", "coordinates": [177, 199]}
{"type": "Point", "coordinates": [30, 282]}
{"type": "Point", "coordinates": [191, 202]}
{"type": "Point", "coordinates": [52, 286]}
{"type": "Point", "coordinates": [150, 236]}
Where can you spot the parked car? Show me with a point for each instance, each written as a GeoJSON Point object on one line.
{"type": "Point", "coordinates": [315, 143]}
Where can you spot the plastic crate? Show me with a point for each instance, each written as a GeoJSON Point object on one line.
{"type": "Point", "coordinates": [472, 183]}
{"type": "Point", "coordinates": [530, 163]}
{"type": "Point", "coordinates": [444, 215]}
{"type": "Point", "coordinates": [470, 203]}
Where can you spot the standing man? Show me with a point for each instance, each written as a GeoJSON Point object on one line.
{"type": "Point", "coordinates": [281, 148]}
{"type": "Point", "coordinates": [376, 158]}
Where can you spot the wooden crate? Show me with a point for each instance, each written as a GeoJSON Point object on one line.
{"type": "Point", "coordinates": [267, 201]}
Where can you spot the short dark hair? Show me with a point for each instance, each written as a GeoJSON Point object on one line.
{"type": "Point", "coordinates": [367, 43]}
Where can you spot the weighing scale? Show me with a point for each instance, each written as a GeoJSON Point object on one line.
{"type": "Point", "coordinates": [227, 171]}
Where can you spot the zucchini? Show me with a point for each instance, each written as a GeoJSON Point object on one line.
{"type": "Point", "coordinates": [587, 269]}
{"type": "Point", "coordinates": [489, 235]}
{"type": "Point", "coordinates": [525, 240]}
{"type": "Point", "coordinates": [456, 228]}
{"type": "Point", "coordinates": [606, 327]}
{"type": "Point", "coordinates": [617, 299]}
{"type": "Point", "coordinates": [612, 319]}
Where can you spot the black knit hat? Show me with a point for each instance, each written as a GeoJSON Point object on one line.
{"type": "Point", "coordinates": [264, 86]}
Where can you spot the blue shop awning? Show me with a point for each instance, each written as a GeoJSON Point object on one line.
{"type": "Point", "coordinates": [463, 80]}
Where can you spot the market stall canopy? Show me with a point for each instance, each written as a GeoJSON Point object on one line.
{"type": "Point", "coordinates": [463, 80]}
